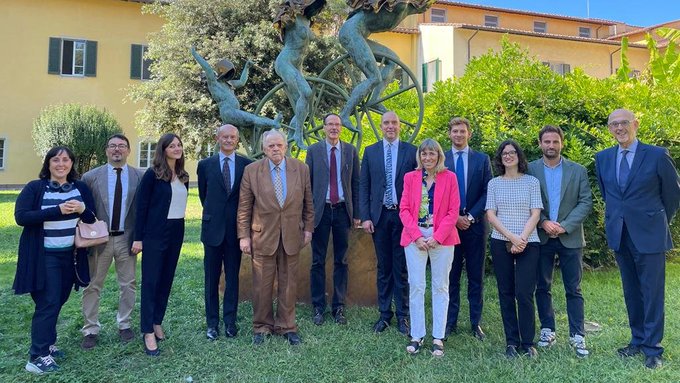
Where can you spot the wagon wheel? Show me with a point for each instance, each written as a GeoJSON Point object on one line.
{"type": "Point", "coordinates": [404, 94]}
{"type": "Point", "coordinates": [327, 97]}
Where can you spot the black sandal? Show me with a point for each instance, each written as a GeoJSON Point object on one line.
{"type": "Point", "coordinates": [414, 346]}
{"type": "Point", "coordinates": [437, 349]}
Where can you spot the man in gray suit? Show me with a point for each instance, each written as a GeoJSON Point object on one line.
{"type": "Point", "coordinates": [567, 201]}
{"type": "Point", "coordinates": [113, 186]}
{"type": "Point", "coordinates": [334, 172]}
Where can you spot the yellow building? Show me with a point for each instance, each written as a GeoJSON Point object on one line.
{"type": "Point", "coordinates": [90, 52]}
{"type": "Point", "coordinates": [65, 51]}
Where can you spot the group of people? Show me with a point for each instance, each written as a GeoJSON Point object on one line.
{"type": "Point", "coordinates": [419, 204]}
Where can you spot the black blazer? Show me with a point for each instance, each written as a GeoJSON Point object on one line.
{"type": "Point", "coordinates": [317, 160]}
{"type": "Point", "coordinates": [153, 203]}
{"type": "Point", "coordinates": [372, 183]}
{"type": "Point", "coordinates": [219, 209]}
{"type": "Point", "coordinates": [478, 176]}
{"type": "Point", "coordinates": [30, 273]}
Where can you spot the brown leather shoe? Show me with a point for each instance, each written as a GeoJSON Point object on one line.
{"type": "Point", "coordinates": [89, 342]}
{"type": "Point", "coordinates": [126, 335]}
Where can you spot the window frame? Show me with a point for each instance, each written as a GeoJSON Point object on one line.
{"type": "Point", "coordinates": [143, 67]}
{"type": "Point", "coordinates": [3, 152]}
{"type": "Point", "coordinates": [582, 29]}
{"type": "Point", "coordinates": [497, 23]}
{"type": "Point", "coordinates": [443, 15]}
{"type": "Point", "coordinates": [64, 52]}
{"type": "Point", "coordinates": [537, 27]}
{"type": "Point", "coordinates": [148, 147]}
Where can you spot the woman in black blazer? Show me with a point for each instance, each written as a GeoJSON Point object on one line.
{"type": "Point", "coordinates": [159, 231]}
{"type": "Point", "coordinates": [48, 209]}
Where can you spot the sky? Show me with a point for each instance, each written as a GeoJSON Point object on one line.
{"type": "Point", "coordinates": [642, 13]}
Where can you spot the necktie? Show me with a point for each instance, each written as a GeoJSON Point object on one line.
{"type": "Point", "coordinates": [226, 175]}
{"type": "Point", "coordinates": [460, 175]}
{"type": "Point", "coordinates": [624, 169]}
{"type": "Point", "coordinates": [334, 194]}
{"type": "Point", "coordinates": [117, 201]}
{"type": "Point", "coordinates": [278, 185]}
{"type": "Point", "coordinates": [388, 177]}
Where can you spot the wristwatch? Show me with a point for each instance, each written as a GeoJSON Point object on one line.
{"type": "Point", "coordinates": [471, 218]}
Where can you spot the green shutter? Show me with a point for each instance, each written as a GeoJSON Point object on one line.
{"type": "Point", "coordinates": [425, 77]}
{"type": "Point", "coordinates": [91, 58]}
{"type": "Point", "coordinates": [136, 61]}
{"type": "Point", "coordinates": [54, 56]}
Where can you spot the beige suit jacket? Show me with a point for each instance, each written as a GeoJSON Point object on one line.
{"type": "Point", "coordinates": [262, 219]}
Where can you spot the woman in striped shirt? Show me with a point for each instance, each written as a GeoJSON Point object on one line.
{"type": "Point", "coordinates": [49, 209]}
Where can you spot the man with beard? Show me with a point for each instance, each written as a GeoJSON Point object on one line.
{"type": "Point", "coordinates": [567, 201]}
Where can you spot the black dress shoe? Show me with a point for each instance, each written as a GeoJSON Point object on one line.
{"type": "Point", "coordinates": [629, 350]}
{"type": "Point", "coordinates": [293, 338]}
{"type": "Point", "coordinates": [230, 330]}
{"type": "Point", "coordinates": [478, 333]}
{"type": "Point", "coordinates": [149, 352]}
{"type": "Point", "coordinates": [530, 352]}
{"type": "Point", "coordinates": [653, 362]}
{"type": "Point", "coordinates": [403, 327]}
{"type": "Point", "coordinates": [212, 333]}
{"type": "Point", "coordinates": [258, 338]}
{"type": "Point", "coordinates": [339, 316]}
{"type": "Point", "coordinates": [451, 328]}
{"type": "Point", "coordinates": [380, 325]}
{"type": "Point", "coordinates": [511, 352]}
{"type": "Point", "coordinates": [318, 319]}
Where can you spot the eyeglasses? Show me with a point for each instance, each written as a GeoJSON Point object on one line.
{"type": "Point", "coordinates": [119, 146]}
{"type": "Point", "coordinates": [511, 153]}
{"type": "Point", "coordinates": [622, 123]}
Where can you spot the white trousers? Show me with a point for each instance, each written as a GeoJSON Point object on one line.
{"type": "Point", "coordinates": [441, 258]}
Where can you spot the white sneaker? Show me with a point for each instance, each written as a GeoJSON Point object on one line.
{"type": "Point", "coordinates": [547, 338]}
{"type": "Point", "coordinates": [578, 342]}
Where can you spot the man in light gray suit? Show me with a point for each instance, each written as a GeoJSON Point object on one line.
{"type": "Point", "coordinates": [567, 201]}
{"type": "Point", "coordinates": [334, 172]}
{"type": "Point", "coordinates": [113, 186]}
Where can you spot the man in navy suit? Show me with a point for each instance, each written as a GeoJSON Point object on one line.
{"type": "Point", "coordinates": [380, 186]}
{"type": "Point", "coordinates": [641, 191]}
{"type": "Point", "coordinates": [219, 182]}
{"type": "Point", "coordinates": [473, 170]}
{"type": "Point", "coordinates": [334, 173]}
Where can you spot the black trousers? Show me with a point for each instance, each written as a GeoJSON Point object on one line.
{"type": "Point", "coordinates": [159, 261]}
{"type": "Point", "coordinates": [335, 220]}
{"type": "Point", "coordinates": [643, 277]}
{"type": "Point", "coordinates": [471, 252]}
{"type": "Point", "coordinates": [59, 278]}
{"type": "Point", "coordinates": [229, 256]}
{"type": "Point", "coordinates": [572, 271]}
{"type": "Point", "coordinates": [516, 279]}
{"type": "Point", "coordinates": [392, 276]}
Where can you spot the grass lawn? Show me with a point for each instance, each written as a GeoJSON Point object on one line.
{"type": "Point", "coordinates": [330, 353]}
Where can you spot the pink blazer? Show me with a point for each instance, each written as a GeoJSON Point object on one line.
{"type": "Point", "coordinates": [446, 207]}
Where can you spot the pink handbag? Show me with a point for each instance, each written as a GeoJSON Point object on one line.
{"type": "Point", "coordinates": [91, 234]}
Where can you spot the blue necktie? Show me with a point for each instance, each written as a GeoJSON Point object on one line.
{"type": "Point", "coordinates": [388, 177]}
{"type": "Point", "coordinates": [624, 169]}
{"type": "Point", "coordinates": [460, 174]}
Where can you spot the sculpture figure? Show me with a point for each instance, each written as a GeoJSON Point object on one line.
{"type": "Point", "coordinates": [221, 87]}
{"type": "Point", "coordinates": [293, 20]}
{"type": "Point", "coordinates": [367, 17]}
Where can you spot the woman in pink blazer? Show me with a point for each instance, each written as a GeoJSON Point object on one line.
{"type": "Point", "coordinates": [429, 209]}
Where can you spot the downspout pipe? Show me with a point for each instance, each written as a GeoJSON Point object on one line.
{"type": "Point", "coordinates": [468, 46]}
{"type": "Point", "coordinates": [611, 61]}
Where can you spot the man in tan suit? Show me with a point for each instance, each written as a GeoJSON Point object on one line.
{"type": "Point", "coordinates": [275, 221]}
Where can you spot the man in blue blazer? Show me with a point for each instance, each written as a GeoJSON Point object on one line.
{"type": "Point", "coordinates": [380, 185]}
{"type": "Point", "coordinates": [473, 170]}
{"type": "Point", "coordinates": [219, 182]}
{"type": "Point", "coordinates": [641, 191]}
{"type": "Point", "coordinates": [334, 173]}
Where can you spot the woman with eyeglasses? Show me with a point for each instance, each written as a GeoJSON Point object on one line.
{"type": "Point", "coordinates": [159, 232]}
{"type": "Point", "coordinates": [513, 206]}
{"type": "Point", "coordinates": [48, 209]}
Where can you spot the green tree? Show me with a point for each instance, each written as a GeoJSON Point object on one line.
{"type": "Point", "coordinates": [176, 98]}
{"type": "Point", "coordinates": [83, 128]}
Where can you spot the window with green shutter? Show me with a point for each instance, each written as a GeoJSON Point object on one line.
{"type": "Point", "coordinates": [139, 64]}
{"type": "Point", "coordinates": [72, 57]}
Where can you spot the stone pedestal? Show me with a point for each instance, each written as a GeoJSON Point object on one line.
{"type": "Point", "coordinates": [361, 288]}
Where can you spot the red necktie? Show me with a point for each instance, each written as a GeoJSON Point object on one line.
{"type": "Point", "coordinates": [334, 195]}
